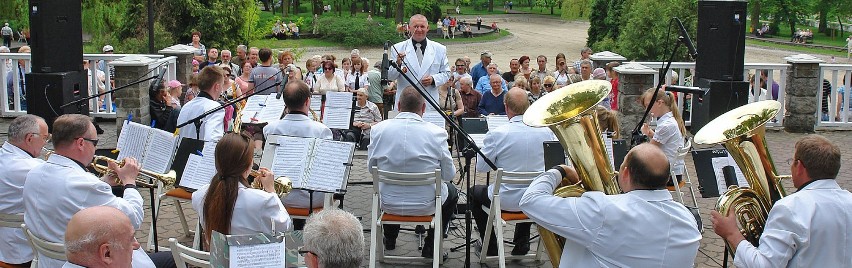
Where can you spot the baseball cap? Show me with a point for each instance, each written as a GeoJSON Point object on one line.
{"type": "Point", "coordinates": [108, 48]}
{"type": "Point", "coordinates": [174, 83]}
{"type": "Point", "coordinates": [485, 54]}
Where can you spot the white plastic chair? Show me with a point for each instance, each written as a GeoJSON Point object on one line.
{"type": "Point", "coordinates": [183, 255]}
{"type": "Point", "coordinates": [686, 180]}
{"type": "Point", "coordinates": [498, 218]}
{"type": "Point", "coordinates": [46, 248]}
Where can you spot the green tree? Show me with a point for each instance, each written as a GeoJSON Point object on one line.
{"type": "Point", "coordinates": [645, 28]}
{"type": "Point", "coordinates": [15, 12]}
{"type": "Point", "coordinates": [576, 9]}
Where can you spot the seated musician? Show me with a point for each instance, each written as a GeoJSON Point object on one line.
{"type": "Point", "coordinates": [643, 227]}
{"type": "Point", "coordinates": [27, 136]}
{"type": "Point", "coordinates": [809, 228]}
{"type": "Point", "coordinates": [211, 82]}
{"type": "Point", "coordinates": [409, 144]}
{"type": "Point", "coordinates": [670, 129]}
{"type": "Point", "coordinates": [510, 147]}
{"type": "Point", "coordinates": [228, 205]}
{"type": "Point", "coordinates": [297, 98]}
{"type": "Point", "coordinates": [58, 189]}
{"type": "Point", "coordinates": [99, 237]}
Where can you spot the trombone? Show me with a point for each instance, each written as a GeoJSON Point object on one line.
{"type": "Point", "coordinates": [167, 179]}
{"type": "Point", "coordinates": [282, 184]}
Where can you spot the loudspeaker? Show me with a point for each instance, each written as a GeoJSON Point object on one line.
{"type": "Point", "coordinates": [56, 32]}
{"type": "Point", "coordinates": [721, 97]}
{"type": "Point", "coordinates": [721, 40]}
{"type": "Point", "coordinates": [46, 92]}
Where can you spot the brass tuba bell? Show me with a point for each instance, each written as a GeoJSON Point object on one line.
{"type": "Point", "coordinates": [743, 133]}
{"type": "Point", "coordinates": [570, 114]}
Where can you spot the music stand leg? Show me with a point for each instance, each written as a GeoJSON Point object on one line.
{"type": "Point", "coordinates": [310, 202]}
{"type": "Point", "coordinates": [154, 219]}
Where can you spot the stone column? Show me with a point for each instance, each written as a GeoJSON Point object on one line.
{"type": "Point", "coordinates": [600, 59]}
{"type": "Point", "coordinates": [132, 100]}
{"type": "Point", "coordinates": [802, 88]}
{"type": "Point", "coordinates": [633, 80]}
{"type": "Point", "coordinates": [184, 54]}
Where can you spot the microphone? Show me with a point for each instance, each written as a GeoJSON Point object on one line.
{"type": "Point", "coordinates": [385, 66]}
{"type": "Point", "coordinates": [286, 77]}
{"type": "Point", "coordinates": [159, 81]}
{"type": "Point", "coordinates": [684, 38]}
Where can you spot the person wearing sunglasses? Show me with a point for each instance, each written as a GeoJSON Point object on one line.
{"type": "Point", "coordinates": [461, 71]}
{"type": "Point", "coordinates": [61, 187]}
{"type": "Point", "coordinates": [549, 84]}
{"type": "Point", "coordinates": [329, 81]}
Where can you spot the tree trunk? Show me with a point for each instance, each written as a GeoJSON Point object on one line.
{"type": "Point", "coordinates": [490, 5]}
{"type": "Point", "coordinates": [353, 7]}
{"type": "Point", "coordinates": [551, 9]}
{"type": "Point", "coordinates": [366, 6]}
{"type": "Point", "coordinates": [823, 20]}
{"type": "Point", "coordinates": [840, 21]}
{"type": "Point", "coordinates": [266, 4]}
{"type": "Point", "coordinates": [755, 16]}
{"type": "Point", "coordinates": [400, 10]}
{"type": "Point", "coordinates": [317, 8]}
{"type": "Point", "coordinates": [387, 9]}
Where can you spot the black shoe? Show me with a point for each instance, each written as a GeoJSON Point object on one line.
{"type": "Point", "coordinates": [427, 251]}
{"type": "Point", "coordinates": [390, 244]}
{"type": "Point", "coordinates": [521, 249]}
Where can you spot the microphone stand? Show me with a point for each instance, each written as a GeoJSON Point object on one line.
{"type": "Point", "coordinates": [197, 120]}
{"type": "Point", "coordinates": [160, 76]}
{"type": "Point", "coordinates": [471, 144]}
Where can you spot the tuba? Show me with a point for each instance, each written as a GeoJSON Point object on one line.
{"type": "Point", "coordinates": [167, 179]}
{"type": "Point", "coordinates": [570, 114]}
{"type": "Point", "coordinates": [282, 184]}
{"type": "Point", "coordinates": [743, 132]}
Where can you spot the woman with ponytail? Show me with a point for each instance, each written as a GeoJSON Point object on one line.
{"type": "Point", "coordinates": [228, 205]}
{"type": "Point", "coordinates": [670, 131]}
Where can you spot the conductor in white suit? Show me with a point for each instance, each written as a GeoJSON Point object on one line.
{"type": "Point", "coordinates": [420, 59]}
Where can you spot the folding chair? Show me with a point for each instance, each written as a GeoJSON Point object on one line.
{"type": "Point", "coordinates": [498, 218]}
{"type": "Point", "coordinates": [177, 195]}
{"type": "Point", "coordinates": [11, 221]}
{"type": "Point", "coordinates": [686, 179]}
{"type": "Point", "coordinates": [184, 255]}
{"type": "Point", "coordinates": [21, 37]}
{"type": "Point", "coordinates": [379, 217]}
{"type": "Point", "coordinates": [46, 248]}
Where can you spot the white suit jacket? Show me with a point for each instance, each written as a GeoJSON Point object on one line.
{"type": "Point", "coordinates": [254, 212]}
{"type": "Point", "coordinates": [15, 163]}
{"type": "Point", "coordinates": [810, 228]}
{"type": "Point", "coordinates": [641, 228]}
{"type": "Point", "coordinates": [409, 144]}
{"type": "Point", "coordinates": [514, 147]}
{"type": "Point", "coordinates": [212, 126]}
{"type": "Point", "coordinates": [434, 63]}
{"type": "Point", "coordinates": [58, 189]}
{"type": "Point", "coordinates": [299, 125]}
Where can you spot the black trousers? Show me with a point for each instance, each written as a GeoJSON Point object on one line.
{"type": "Point", "coordinates": [478, 197]}
{"type": "Point", "coordinates": [162, 259]}
{"type": "Point", "coordinates": [391, 231]}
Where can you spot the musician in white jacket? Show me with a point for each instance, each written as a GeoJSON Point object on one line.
{"type": "Point", "coordinates": [810, 228]}
{"type": "Point", "coordinates": [420, 59]}
{"type": "Point", "coordinates": [27, 136]}
{"type": "Point", "coordinates": [211, 81]}
{"type": "Point", "coordinates": [59, 188]}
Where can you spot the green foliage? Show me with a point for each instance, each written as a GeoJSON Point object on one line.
{"type": "Point", "coordinates": [643, 34]}
{"type": "Point", "coordinates": [15, 12]}
{"type": "Point", "coordinates": [576, 9]}
{"type": "Point", "coordinates": [355, 32]}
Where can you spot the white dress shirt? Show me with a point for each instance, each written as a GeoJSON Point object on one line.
{"type": "Point", "coordinates": [255, 211]}
{"type": "Point", "coordinates": [641, 228]}
{"type": "Point", "coordinates": [212, 126]}
{"type": "Point", "coordinates": [71, 265]}
{"type": "Point", "coordinates": [362, 81]}
{"type": "Point", "coordinates": [668, 134]}
{"type": "Point", "coordinates": [15, 163]}
{"type": "Point", "coordinates": [810, 228]}
{"type": "Point", "coordinates": [514, 147]}
{"type": "Point", "coordinates": [299, 125]}
{"type": "Point", "coordinates": [434, 63]}
{"type": "Point", "coordinates": [58, 189]}
{"type": "Point", "coordinates": [409, 144]}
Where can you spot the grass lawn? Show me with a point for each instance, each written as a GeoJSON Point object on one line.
{"type": "Point", "coordinates": [819, 38]}
{"type": "Point", "coordinates": [498, 9]}
{"type": "Point", "coordinates": [314, 42]}
{"type": "Point", "coordinates": [802, 49]}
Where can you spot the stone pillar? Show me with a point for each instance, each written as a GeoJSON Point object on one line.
{"type": "Point", "coordinates": [802, 88]}
{"type": "Point", "coordinates": [133, 99]}
{"type": "Point", "coordinates": [184, 54]}
{"type": "Point", "coordinates": [600, 59]}
{"type": "Point", "coordinates": [633, 80]}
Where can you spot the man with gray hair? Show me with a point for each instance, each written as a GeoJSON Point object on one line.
{"type": "Point", "coordinates": [19, 154]}
{"type": "Point", "coordinates": [242, 53]}
{"type": "Point", "coordinates": [228, 61]}
{"type": "Point", "coordinates": [333, 238]}
{"type": "Point", "coordinates": [585, 53]}
{"type": "Point", "coordinates": [99, 237]}
{"type": "Point", "coordinates": [6, 31]}
{"type": "Point", "coordinates": [470, 97]}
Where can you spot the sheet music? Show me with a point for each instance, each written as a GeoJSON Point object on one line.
{"type": "Point", "coordinates": [721, 162]}
{"type": "Point", "coordinates": [434, 117]}
{"type": "Point", "coordinates": [328, 169]}
{"type": "Point", "coordinates": [272, 111]}
{"type": "Point", "coordinates": [609, 150]}
{"type": "Point", "coordinates": [257, 255]}
{"type": "Point", "coordinates": [316, 103]}
{"type": "Point", "coordinates": [253, 106]}
{"type": "Point", "coordinates": [191, 178]}
{"type": "Point", "coordinates": [337, 118]}
{"type": "Point", "coordinates": [136, 135]}
{"type": "Point", "coordinates": [121, 136]}
{"type": "Point", "coordinates": [291, 157]}
{"type": "Point", "coordinates": [479, 139]}
{"type": "Point", "coordinates": [495, 121]}
{"type": "Point", "coordinates": [338, 99]}
{"type": "Point", "coordinates": [159, 151]}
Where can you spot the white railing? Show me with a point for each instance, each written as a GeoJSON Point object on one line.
{"type": "Point", "coordinates": [836, 114]}
{"type": "Point", "coordinates": [103, 107]}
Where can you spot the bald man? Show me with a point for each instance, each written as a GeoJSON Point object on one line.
{"type": "Point", "coordinates": [99, 237]}
{"type": "Point", "coordinates": [510, 147]}
{"type": "Point", "coordinates": [643, 227]}
{"type": "Point", "coordinates": [422, 60]}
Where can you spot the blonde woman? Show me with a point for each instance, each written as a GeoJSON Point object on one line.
{"type": "Point", "coordinates": [670, 130]}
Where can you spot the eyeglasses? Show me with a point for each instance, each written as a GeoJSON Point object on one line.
{"type": "Point", "coordinates": [93, 141]}
{"type": "Point", "coordinates": [304, 252]}
{"type": "Point", "coordinates": [461, 65]}
{"type": "Point", "coordinates": [548, 85]}
{"type": "Point", "coordinates": [332, 68]}
{"type": "Point", "coordinates": [46, 137]}
{"type": "Point", "coordinates": [791, 161]}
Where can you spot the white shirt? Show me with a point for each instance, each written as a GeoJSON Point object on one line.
{"type": "Point", "coordinates": [71, 265]}
{"type": "Point", "coordinates": [810, 228]}
{"type": "Point", "coordinates": [362, 81]}
{"type": "Point", "coordinates": [15, 163]}
{"type": "Point", "coordinates": [514, 147]}
{"type": "Point", "coordinates": [409, 144]}
{"type": "Point", "coordinates": [299, 125]}
{"type": "Point", "coordinates": [212, 126]}
{"type": "Point", "coordinates": [640, 228]}
{"type": "Point", "coordinates": [434, 64]}
{"type": "Point", "coordinates": [58, 189]}
{"type": "Point", "coordinates": [667, 133]}
{"type": "Point", "coordinates": [255, 211]}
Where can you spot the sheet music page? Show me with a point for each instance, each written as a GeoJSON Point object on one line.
{"type": "Point", "coordinates": [136, 135]}
{"type": "Point", "coordinates": [434, 117]}
{"type": "Point", "coordinates": [273, 110]}
{"type": "Point", "coordinates": [740, 177]}
{"type": "Point", "coordinates": [253, 106]}
{"type": "Point", "coordinates": [338, 99]}
{"type": "Point", "coordinates": [609, 150]}
{"type": "Point", "coordinates": [121, 136]}
{"type": "Point", "coordinates": [257, 255]}
{"type": "Point", "coordinates": [191, 178]}
{"type": "Point", "coordinates": [495, 121]}
{"type": "Point", "coordinates": [291, 157]}
{"type": "Point", "coordinates": [327, 169]}
{"type": "Point", "coordinates": [479, 139]}
{"type": "Point", "coordinates": [316, 103]}
{"type": "Point", "coordinates": [159, 151]}
{"type": "Point", "coordinates": [337, 118]}
{"type": "Point", "coordinates": [721, 162]}
{"type": "Point", "coordinates": [207, 169]}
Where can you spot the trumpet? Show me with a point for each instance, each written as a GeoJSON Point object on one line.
{"type": "Point", "coordinates": [47, 153]}
{"type": "Point", "coordinates": [167, 179]}
{"type": "Point", "coordinates": [282, 184]}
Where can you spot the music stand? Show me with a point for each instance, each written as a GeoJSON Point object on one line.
{"type": "Point", "coordinates": [475, 127]}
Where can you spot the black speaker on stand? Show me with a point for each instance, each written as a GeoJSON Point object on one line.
{"type": "Point", "coordinates": [46, 92]}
